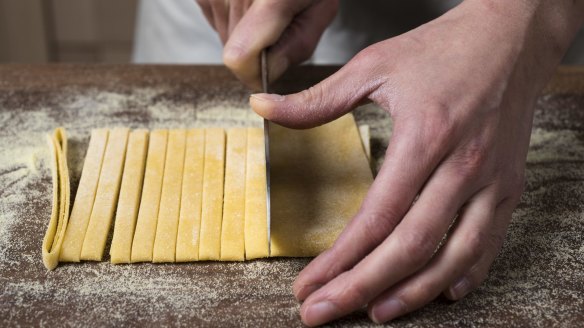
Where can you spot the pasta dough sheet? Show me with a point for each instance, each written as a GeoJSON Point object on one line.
{"type": "Point", "coordinates": [319, 178]}
{"type": "Point", "coordinates": [200, 194]}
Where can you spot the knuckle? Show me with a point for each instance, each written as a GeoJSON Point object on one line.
{"type": "Point", "coordinates": [314, 97]}
{"type": "Point", "coordinates": [377, 226]}
{"type": "Point", "coordinates": [234, 57]}
{"type": "Point", "coordinates": [333, 270]}
{"type": "Point", "coordinates": [438, 135]}
{"type": "Point", "coordinates": [474, 244]}
{"type": "Point", "coordinates": [421, 292]}
{"type": "Point", "coordinates": [437, 124]}
{"type": "Point", "coordinates": [371, 55]}
{"type": "Point", "coordinates": [478, 245]}
{"type": "Point", "coordinates": [353, 296]}
{"type": "Point", "coordinates": [472, 160]}
{"type": "Point", "coordinates": [434, 129]}
{"type": "Point", "coordinates": [418, 246]}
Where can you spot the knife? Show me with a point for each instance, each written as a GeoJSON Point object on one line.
{"type": "Point", "coordinates": [265, 82]}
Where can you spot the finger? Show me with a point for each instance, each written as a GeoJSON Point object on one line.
{"type": "Point", "coordinates": [260, 27]}
{"type": "Point", "coordinates": [207, 11]}
{"type": "Point", "coordinates": [475, 275]}
{"type": "Point", "coordinates": [326, 101]}
{"type": "Point", "coordinates": [409, 161]}
{"type": "Point", "coordinates": [236, 11]}
{"type": "Point", "coordinates": [471, 239]}
{"type": "Point", "coordinates": [407, 249]}
{"type": "Point", "coordinates": [301, 37]}
{"type": "Point", "coordinates": [220, 10]}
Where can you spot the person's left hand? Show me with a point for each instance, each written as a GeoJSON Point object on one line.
{"type": "Point", "coordinates": [288, 29]}
{"type": "Point", "coordinates": [224, 15]}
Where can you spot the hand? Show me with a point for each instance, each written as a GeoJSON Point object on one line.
{"type": "Point", "coordinates": [290, 29]}
{"type": "Point", "coordinates": [461, 92]}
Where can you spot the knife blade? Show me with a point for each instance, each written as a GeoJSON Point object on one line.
{"type": "Point", "coordinates": [265, 82]}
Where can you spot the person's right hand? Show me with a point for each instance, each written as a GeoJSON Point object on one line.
{"type": "Point", "coordinates": [290, 29]}
{"type": "Point", "coordinates": [461, 92]}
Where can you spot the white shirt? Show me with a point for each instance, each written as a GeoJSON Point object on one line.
{"type": "Point", "coordinates": [176, 31]}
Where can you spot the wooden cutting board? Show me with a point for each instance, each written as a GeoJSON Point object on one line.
{"type": "Point", "coordinates": [536, 281]}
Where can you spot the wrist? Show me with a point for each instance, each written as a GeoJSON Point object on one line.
{"type": "Point", "coordinates": [538, 32]}
{"type": "Point", "coordinates": [558, 21]}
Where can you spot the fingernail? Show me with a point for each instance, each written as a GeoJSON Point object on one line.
{"type": "Point", "coordinates": [268, 97]}
{"type": "Point", "coordinates": [319, 313]}
{"type": "Point", "coordinates": [387, 310]}
{"type": "Point", "coordinates": [460, 288]}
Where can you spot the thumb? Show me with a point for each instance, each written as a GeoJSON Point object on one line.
{"type": "Point", "coordinates": [326, 101]}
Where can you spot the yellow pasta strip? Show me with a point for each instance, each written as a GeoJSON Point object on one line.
{"type": "Point", "coordinates": [129, 200]}
{"type": "Point", "coordinates": [145, 232]}
{"type": "Point", "coordinates": [53, 239]}
{"type": "Point", "coordinates": [187, 242]}
{"type": "Point", "coordinates": [81, 212]}
{"type": "Point", "coordinates": [256, 227]}
{"type": "Point", "coordinates": [106, 196]}
{"type": "Point", "coordinates": [232, 238]}
{"type": "Point", "coordinates": [167, 227]}
{"type": "Point", "coordinates": [210, 243]}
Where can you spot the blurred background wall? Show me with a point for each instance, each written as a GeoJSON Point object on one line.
{"type": "Point", "coordinates": [67, 30]}
{"type": "Point", "coordinates": [102, 31]}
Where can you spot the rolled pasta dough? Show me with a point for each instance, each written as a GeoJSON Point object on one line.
{"type": "Point", "coordinates": [198, 197]}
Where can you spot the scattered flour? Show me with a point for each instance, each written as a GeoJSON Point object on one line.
{"type": "Point", "coordinates": [88, 293]}
{"type": "Point", "coordinates": [537, 278]}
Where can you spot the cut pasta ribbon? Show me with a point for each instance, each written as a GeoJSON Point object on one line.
{"type": "Point", "coordinates": [61, 194]}
{"type": "Point", "coordinates": [200, 194]}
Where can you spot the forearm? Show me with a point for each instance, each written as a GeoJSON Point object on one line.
{"type": "Point", "coordinates": [556, 23]}
{"type": "Point", "coordinates": [537, 32]}
{"type": "Point", "coordinates": [554, 27]}
{"type": "Point", "coordinates": [562, 18]}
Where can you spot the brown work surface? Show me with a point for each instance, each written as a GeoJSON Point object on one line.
{"type": "Point", "coordinates": [538, 280]}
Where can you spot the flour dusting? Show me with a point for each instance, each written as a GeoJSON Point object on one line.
{"type": "Point", "coordinates": [537, 278]}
